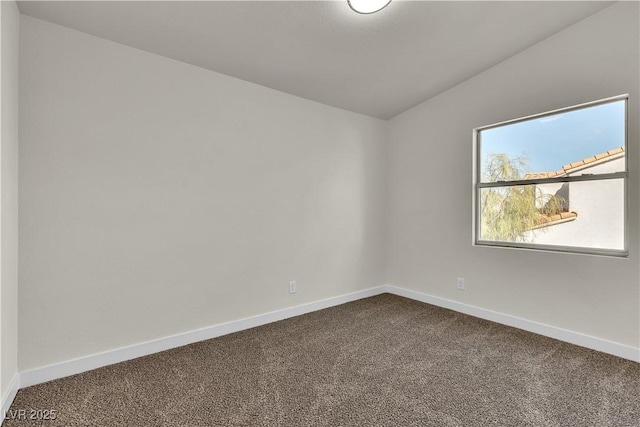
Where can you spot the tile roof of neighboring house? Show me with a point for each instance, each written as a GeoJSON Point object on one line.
{"type": "Point", "coordinates": [582, 164]}
{"type": "Point", "coordinates": [546, 220]}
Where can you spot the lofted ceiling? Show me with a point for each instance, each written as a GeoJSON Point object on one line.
{"type": "Point", "coordinates": [378, 65]}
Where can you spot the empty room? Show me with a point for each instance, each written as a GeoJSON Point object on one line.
{"type": "Point", "coordinates": [320, 213]}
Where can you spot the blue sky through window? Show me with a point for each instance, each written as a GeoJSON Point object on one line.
{"type": "Point", "coordinates": [552, 141]}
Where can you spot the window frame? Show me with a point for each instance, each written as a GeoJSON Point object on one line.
{"type": "Point", "coordinates": [479, 185]}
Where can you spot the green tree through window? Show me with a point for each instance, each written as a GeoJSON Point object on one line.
{"type": "Point", "coordinates": [513, 213]}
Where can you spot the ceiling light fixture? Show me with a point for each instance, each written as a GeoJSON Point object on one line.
{"type": "Point", "coordinates": [368, 6]}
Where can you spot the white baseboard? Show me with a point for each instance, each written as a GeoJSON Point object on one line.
{"type": "Point", "coordinates": [7, 398]}
{"type": "Point", "coordinates": [588, 341]}
{"type": "Point", "coordinates": [98, 360]}
{"type": "Point", "coordinates": [86, 363]}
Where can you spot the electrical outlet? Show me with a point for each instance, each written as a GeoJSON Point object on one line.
{"type": "Point", "coordinates": [460, 283]}
{"type": "Point", "coordinates": [292, 286]}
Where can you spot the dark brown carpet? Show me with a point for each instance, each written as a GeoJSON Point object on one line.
{"type": "Point", "coordinates": [381, 361]}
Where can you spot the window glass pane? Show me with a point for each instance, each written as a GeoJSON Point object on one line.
{"type": "Point", "coordinates": [584, 214]}
{"type": "Point", "coordinates": [585, 141]}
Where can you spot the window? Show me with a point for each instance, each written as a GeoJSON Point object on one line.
{"type": "Point", "coordinates": [555, 181]}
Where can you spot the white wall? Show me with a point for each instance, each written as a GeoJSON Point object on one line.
{"type": "Point", "coordinates": [430, 186]}
{"type": "Point", "coordinates": [157, 197]}
{"type": "Point", "coordinates": [9, 197]}
{"type": "Point", "coordinates": [600, 209]}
